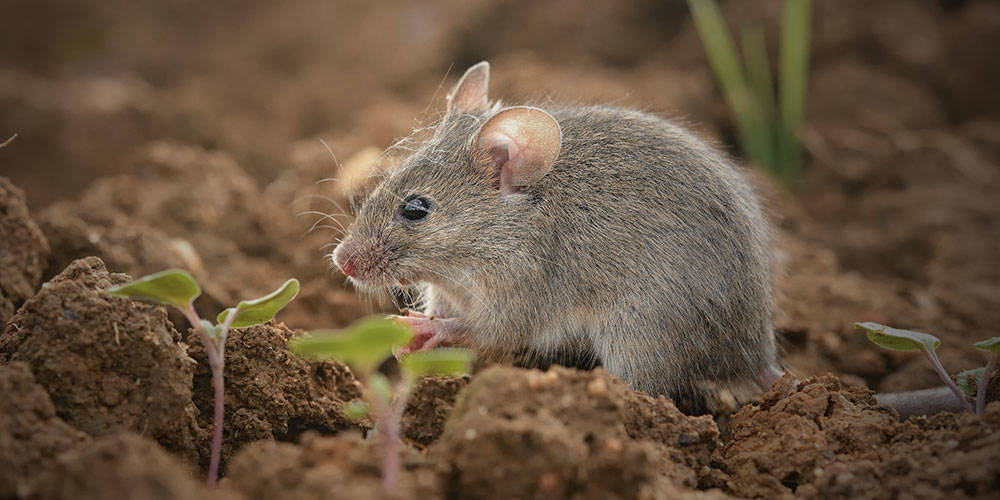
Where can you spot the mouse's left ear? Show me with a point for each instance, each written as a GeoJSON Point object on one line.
{"type": "Point", "coordinates": [519, 146]}
{"type": "Point", "coordinates": [471, 93]}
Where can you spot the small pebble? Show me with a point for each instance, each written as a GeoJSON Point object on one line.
{"type": "Point", "coordinates": [548, 483]}
{"type": "Point", "coordinates": [597, 387]}
{"type": "Point", "coordinates": [686, 439]}
{"type": "Point", "coordinates": [613, 445]}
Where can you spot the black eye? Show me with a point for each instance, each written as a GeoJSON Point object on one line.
{"type": "Point", "coordinates": [415, 207]}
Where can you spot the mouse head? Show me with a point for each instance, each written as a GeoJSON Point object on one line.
{"type": "Point", "coordinates": [461, 202]}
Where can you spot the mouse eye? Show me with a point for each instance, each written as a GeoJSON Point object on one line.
{"type": "Point", "coordinates": [415, 207]}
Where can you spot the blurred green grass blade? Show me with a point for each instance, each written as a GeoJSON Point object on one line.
{"type": "Point", "coordinates": [793, 69]}
{"type": "Point", "coordinates": [762, 86]}
{"type": "Point", "coordinates": [261, 310]}
{"type": "Point", "coordinates": [725, 63]}
{"type": "Point", "coordinates": [174, 287]}
{"type": "Point", "coordinates": [759, 69]}
{"type": "Point", "coordinates": [719, 48]}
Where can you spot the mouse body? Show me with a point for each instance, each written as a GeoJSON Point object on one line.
{"type": "Point", "coordinates": [598, 234]}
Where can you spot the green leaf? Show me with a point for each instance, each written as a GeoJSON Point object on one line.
{"type": "Point", "coordinates": [356, 410]}
{"type": "Point", "coordinates": [363, 346]}
{"type": "Point", "coordinates": [261, 310]}
{"type": "Point", "coordinates": [968, 380]}
{"type": "Point", "coordinates": [899, 340]}
{"type": "Point", "coordinates": [991, 345]}
{"type": "Point", "coordinates": [174, 287]}
{"type": "Point", "coordinates": [441, 361]}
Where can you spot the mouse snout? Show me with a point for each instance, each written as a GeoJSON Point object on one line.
{"type": "Point", "coordinates": [345, 260]}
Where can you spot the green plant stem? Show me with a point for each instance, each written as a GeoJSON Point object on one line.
{"type": "Point", "coordinates": [936, 363]}
{"type": "Point", "coordinates": [984, 382]}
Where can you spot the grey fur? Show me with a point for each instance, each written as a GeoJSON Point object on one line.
{"type": "Point", "coordinates": [642, 246]}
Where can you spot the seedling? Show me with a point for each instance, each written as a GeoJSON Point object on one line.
{"type": "Point", "coordinates": [363, 347]}
{"type": "Point", "coordinates": [769, 127]}
{"type": "Point", "coordinates": [178, 289]}
{"type": "Point", "coordinates": [906, 340]}
{"type": "Point", "coordinates": [991, 346]}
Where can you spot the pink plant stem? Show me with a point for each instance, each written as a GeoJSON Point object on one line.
{"type": "Point", "coordinates": [936, 363]}
{"type": "Point", "coordinates": [215, 350]}
{"type": "Point", "coordinates": [984, 383]}
{"type": "Point", "coordinates": [220, 400]}
{"type": "Point", "coordinates": [390, 428]}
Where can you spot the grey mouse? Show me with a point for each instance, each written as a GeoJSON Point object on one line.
{"type": "Point", "coordinates": [590, 235]}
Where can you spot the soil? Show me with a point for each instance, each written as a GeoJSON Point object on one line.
{"type": "Point", "coordinates": [31, 435]}
{"type": "Point", "coordinates": [25, 251]}
{"type": "Point", "coordinates": [172, 134]}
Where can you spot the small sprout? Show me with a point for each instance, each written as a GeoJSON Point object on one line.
{"type": "Point", "coordinates": [173, 287]}
{"type": "Point", "coordinates": [907, 340]}
{"type": "Point", "coordinates": [990, 345]}
{"type": "Point", "coordinates": [366, 345]}
{"type": "Point", "coordinates": [993, 347]}
{"type": "Point", "coordinates": [178, 288]}
{"type": "Point", "coordinates": [261, 310]}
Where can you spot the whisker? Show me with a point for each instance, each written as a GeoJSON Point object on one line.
{"type": "Point", "coordinates": [340, 169]}
{"type": "Point", "coordinates": [324, 198]}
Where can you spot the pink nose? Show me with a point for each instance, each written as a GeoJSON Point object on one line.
{"type": "Point", "coordinates": [346, 265]}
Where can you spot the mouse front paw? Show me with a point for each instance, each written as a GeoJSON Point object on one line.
{"type": "Point", "coordinates": [428, 331]}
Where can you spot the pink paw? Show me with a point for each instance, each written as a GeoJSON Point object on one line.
{"type": "Point", "coordinates": [428, 332]}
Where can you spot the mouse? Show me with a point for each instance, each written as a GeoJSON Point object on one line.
{"type": "Point", "coordinates": [598, 235]}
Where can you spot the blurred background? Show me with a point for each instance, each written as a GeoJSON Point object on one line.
{"type": "Point", "coordinates": [130, 115]}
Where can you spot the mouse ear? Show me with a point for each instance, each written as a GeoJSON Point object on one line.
{"type": "Point", "coordinates": [470, 94]}
{"type": "Point", "coordinates": [519, 145]}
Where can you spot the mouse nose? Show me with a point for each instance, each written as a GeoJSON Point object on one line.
{"type": "Point", "coordinates": [344, 263]}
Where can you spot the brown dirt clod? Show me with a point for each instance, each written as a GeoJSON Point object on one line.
{"type": "Point", "coordinates": [518, 433]}
{"type": "Point", "coordinates": [31, 435]}
{"type": "Point", "coordinates": [339, 467]}
{"type": "Point", "coordinates": [23, 251]}
{"type": "Point", "coordinates": [110, 364]}
{"type": "Point", "coordinates": [121, 466]}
